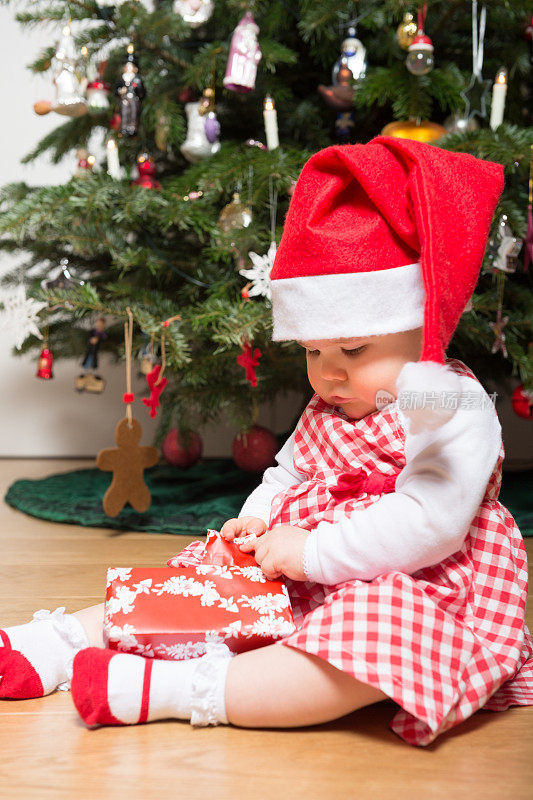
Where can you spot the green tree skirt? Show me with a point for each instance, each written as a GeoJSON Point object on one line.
{"type": "Point", "coordinates": [516, 494]}
{"type": "Point", "coordinates": [187, 501]}
{"type": "Point", "coordinates": [184, 501]}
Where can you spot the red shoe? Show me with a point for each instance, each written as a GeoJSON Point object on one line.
{"type": "Point", "coordinates": [89, 683]}
{"type": "Point", "coordinates": [19, 680]}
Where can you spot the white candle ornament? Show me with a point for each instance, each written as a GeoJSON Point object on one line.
{"type": "Point", "coordinates": [271, 123]}
{"type": "Point", "coordinates": [499, 90]}
{"type": "Point", "coordinates": [113, 164]}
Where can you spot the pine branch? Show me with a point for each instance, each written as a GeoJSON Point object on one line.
{"type": "Point", "coordinates": [72, 134]}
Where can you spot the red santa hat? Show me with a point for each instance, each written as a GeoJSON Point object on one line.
{"type": "Point", "coordinates": [380, 238]}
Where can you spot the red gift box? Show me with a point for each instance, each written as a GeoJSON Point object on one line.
{"type": "Point", "coordinates": [212, 592]}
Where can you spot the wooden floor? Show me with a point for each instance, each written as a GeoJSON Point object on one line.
{"type": "Point", "coordinates": [46, 751]}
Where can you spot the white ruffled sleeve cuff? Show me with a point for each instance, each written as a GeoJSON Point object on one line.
{"type": "Point", "coordinates": [311, 565]}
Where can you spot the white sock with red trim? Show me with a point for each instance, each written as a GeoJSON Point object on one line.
{"type": "Point", "coordinates": [36, 658]}
{"type": "Point", "coordinates": [110, 688]}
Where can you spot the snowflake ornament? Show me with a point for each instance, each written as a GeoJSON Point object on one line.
{"type": "Point", "coordinates": [20, 314]}
{"type": "Point", "coordinates": [259, 275]}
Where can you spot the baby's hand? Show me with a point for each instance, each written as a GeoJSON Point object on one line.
{"type": "Point", "coordinates": [242, 527]}
{"type": "Point", "coordinates": [280, 552]}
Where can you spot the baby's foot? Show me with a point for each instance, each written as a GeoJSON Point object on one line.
{"type": "Point", "coordinates": [36, 658]}
{"type": "Point", "coordinates": [110, 688]}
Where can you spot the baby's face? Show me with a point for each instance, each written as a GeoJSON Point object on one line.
{"type": "Point", "coordinates": [348, 373]}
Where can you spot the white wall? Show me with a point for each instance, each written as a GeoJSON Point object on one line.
{"type": "Point", "coordinates": [48, 418]}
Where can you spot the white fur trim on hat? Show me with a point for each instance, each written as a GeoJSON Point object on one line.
{"type": "Point", "coordinates": [348, 305]}
{"type": "Point", "coordinates": [428, 394]}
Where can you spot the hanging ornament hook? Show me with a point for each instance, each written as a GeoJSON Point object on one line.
{"type": "Point", "coordinates": [273, 205]}
{"type": "Point", "coordinates": [477, 85]}
{"type": "Point", "coordinates": [128, 397]}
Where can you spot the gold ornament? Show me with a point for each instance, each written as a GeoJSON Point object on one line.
{"type": "Point", "coordinates": [423, 131]}
{"type": "Point", "coordinates": [234, 215]}
{"type": "Point", "coordinates": [406, 31]}
{"type": "Point", "coordinates": [207, 102]}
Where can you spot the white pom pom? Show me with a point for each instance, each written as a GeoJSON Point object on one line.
{"type": "Point", "coordinates": [428, 394]}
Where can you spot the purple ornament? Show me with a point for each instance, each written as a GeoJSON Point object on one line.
{"type": "Point", "coordinates": [212, 127]}
{"type": "Point", "coordinates": [244, 56]}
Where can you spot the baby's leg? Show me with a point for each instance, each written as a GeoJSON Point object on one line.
{"type": "Point", "coordinates": [36, 658]}
{"type": "Point", "coordinates": [272, 687]}
{"type": "Point", "coordinates": [92, 619]}
{"type": "Point", "coordinates": [283, 687]}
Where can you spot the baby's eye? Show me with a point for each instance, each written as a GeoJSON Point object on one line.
{"type": "Point", "coordinates": [355, 351]}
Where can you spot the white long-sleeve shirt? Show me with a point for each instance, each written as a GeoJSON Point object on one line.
{"type": "Point", "coordinates": [426, 518]}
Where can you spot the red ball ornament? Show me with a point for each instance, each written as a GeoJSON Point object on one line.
{"type": "Point", "coordinates": [114, 122]}
{"type": "Point", "coordinates": [522, 402]}
{"type": "Point", "coordinates": [177, 453]}
{"type": "Point", "coordinates": [255, 450]}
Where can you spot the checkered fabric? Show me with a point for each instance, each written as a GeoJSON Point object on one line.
{"type": "Point", "coordinates": [443, 642]}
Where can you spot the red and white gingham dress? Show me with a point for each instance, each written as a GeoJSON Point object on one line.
{"type": "Point", "coordinates": [443, 642]}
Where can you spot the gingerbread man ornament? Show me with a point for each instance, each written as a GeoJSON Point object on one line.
{"type": "Point", "coordinates": [127, 462]}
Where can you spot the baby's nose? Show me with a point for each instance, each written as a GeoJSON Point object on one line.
{"type": "Point", "coordinates": [330, 371]}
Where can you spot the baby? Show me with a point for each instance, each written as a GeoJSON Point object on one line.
{"type": "Point", "coordinates": [348, 375]}
{"type": "Point", "coordinates": [407, 577]}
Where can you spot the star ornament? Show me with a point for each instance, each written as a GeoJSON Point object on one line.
{"type": "Point", "coordinates": [475, 98]}
{"type": "Point", "coordinates": [20, 314]}
{"type": "Point", "coordinates": [259, 275]}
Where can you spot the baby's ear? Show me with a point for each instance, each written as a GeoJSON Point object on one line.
{"type": "Point", "coordinates": [422, 388]}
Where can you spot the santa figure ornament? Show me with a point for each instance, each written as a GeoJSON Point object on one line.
{"type": "Point", "coordinates": [244, 56]}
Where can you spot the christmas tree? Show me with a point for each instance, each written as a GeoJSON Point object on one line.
{"type": "Point", "coordinates": [209, 111]}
